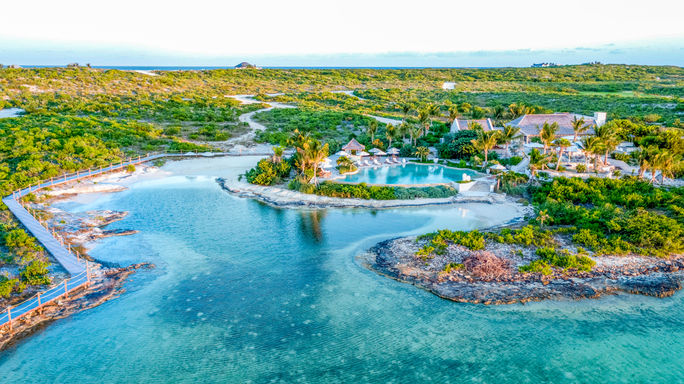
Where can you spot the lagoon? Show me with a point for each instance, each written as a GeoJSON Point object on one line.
{"type": "Point", "coordinates": [244, 292]}
{"type": "Point", "coordinates": [409, 174]}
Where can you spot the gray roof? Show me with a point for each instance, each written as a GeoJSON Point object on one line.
{"type": "Point", "coordinates": [530, 125]}
{"type": "Point", "coordinates": [460, 125]}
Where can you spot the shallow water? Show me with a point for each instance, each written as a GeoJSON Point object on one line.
{"type": "Point", "coordinates": [409, 174]}
{"type": "Point", "coordinates": [247, 293]}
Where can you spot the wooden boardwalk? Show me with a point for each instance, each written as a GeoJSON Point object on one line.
{"type": "Point", "coordinates": [66, 259]}
{"type": "Point", "coordinates": [78, 269]}
{"type": "Point", "coordinates": [69, 261]}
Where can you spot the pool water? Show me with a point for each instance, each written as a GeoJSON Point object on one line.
{"type": "Point", "coordinates": [409, 174]}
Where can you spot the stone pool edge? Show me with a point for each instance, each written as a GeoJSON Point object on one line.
{"type": "Point", "coordinates": [283, 198]}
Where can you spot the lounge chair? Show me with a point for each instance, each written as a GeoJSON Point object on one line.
{"type": "Point", "coordinates": [376, 162]}
{"type": "Point", "coordinates": [388, 161]}
{"type": "Point", "coordinates": [403, 161]}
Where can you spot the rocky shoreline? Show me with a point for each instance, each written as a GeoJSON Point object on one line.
{"type": "Point", "coordinates": [284, 198]}
{"type": "Point", "coordinates": [649, 276]}
{"type": "Point", "coordinates": [106, 285]}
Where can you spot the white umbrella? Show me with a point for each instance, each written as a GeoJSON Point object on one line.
{"type": "Point", "coordinates": [534, 145]}
{"type": "Point", "coordinates": [393, 151]}
{"type": "Point", "coordinates": [377, 152]}
{"type": "Point", "coordinates": [363, 153]}
{"type": "Point", "coordinates": [498, 167]}
{"type": "Point", "coordinates": [326, 163]}
{"type": "Point", "coordinates": [342, 153]}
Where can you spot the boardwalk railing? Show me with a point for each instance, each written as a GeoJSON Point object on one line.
{"type": "Point", "coordinates": [72, 263]}
{"type": "Point", "coordinates": [42, 298]}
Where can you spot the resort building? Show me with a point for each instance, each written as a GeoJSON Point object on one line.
{"type": "Point", "coordinates": [461, 125]}
{"type": "Point", "coordinates": [353, 147]}
{"type": "Point", "coordinates": [531, 125]}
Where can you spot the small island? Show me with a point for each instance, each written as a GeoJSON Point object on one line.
{"type": "Point", "coordinates": [589, 238]}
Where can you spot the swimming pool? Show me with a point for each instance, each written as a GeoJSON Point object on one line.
{"type": "Point", "coordinates": [408, 174]}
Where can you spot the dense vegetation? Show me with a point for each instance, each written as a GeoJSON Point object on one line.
{"type": "Point", "coordinates": [374, 192]}
{"type": "Point", "coordinates": [616, 216]}
{"type": "Point", "coordinates": [333, 127]}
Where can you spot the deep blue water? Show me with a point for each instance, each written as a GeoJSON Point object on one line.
{"type": "Point", "coordinates": [244, 292]}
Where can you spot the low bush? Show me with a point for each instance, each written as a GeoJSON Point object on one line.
{"type": "Point", "coordinates": [36, 273]}
{"type": "Point", "coordinates": [452, 267]}
{"type": "Point", "coordinates": [440, 240]}
{"type": "Point", "coordinates": [268, 173]}
{"type": "Point", "coordinates": [528, 236]}
{"type": "Point", "coordinates": [374, 192]}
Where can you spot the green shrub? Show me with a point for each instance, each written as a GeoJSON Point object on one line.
{"type": "Point", "coordinates": [36, 273]}
{"type": "Point", "coordinates": [439, 240]}
{"type": "Point", "coordinates": [581, 168]}
{"type": "Point", "coordinates": [537, 266]}
{"type": "Point", "coordinates": [268, 173]}
{"type": "Point", "coordinates": [621, 156]}
{"type": "Point", "coordinates": [549, 257]}
{"type": "Point", "coordinates": [7, 286]}
{"type": "Point", "coordinates": [528, 236]}
{"type": "Point", "coordinates": [453, 267]}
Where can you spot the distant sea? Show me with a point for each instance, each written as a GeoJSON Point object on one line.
{"type": "Point", "coordinates": [206, 68]}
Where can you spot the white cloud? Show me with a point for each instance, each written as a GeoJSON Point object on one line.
{"type": "Point", "coordinates": [249, 27]}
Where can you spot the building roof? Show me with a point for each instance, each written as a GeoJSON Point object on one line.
{"type": "Point", "coordinates": [353, 145]}
{"type": "Point", "coordinates": [530, 125]}
{"type": "Point", "coordinates": [460, 125]}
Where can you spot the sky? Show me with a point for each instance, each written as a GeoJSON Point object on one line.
{"type": "Point", "coordinates": [341, 33]}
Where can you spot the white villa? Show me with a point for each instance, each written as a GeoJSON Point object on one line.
{"type": "Point", "coordinates": [530, 125]}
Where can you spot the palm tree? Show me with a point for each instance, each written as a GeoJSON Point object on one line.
{"type": "Point", "coordinates": [508, 134]}
{"type": "Point", "coordinates": [424, 120]}
{"type": "Point", "coordinates": [406, 109]}
{"type": "Point", "coordinates": [453, 114]}
{"type": "Point", "coordinates": [390, 131]}
{"type": "Point", "coordinates": [422, 153]}
{"type": "Point", "coordinates": [372, 128]}
{"type": "Point", "coordinates": [343, 162]}
{"type": "Point", "coordinates": [593, 145]}
{"type": "Point", "coordinates": [404, 129]}
{"type": "Point", "coordinates": [548, 134]}
{"type": "Point", "coordinates": [499, 112]}
{"type": "Point", "coordinates": [609, 138]}
{"type": "Point", "coordinates": [433, 111]}
{"type": "Point", "coordinates": [485, 142]}
{"type": "Point", "coordinates": [578, 127]}
{"type": "Point", "coordinates": [646, 159]}
{"type": "Point", "coordinates": [669, 164]}
{"type": "Point", "coordinates": [313, 152]}
{"type": "Point", "coordinates": [415, 132]}
{"type": "Point", "coordinates": [561, 144]}
{"type": "Point", "coordinates": [538, 161]}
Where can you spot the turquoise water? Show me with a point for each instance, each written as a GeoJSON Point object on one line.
{"type": "Point", "coordinates": [408, 174]}
{"type": "Point", "coordinates": [246, 293]}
